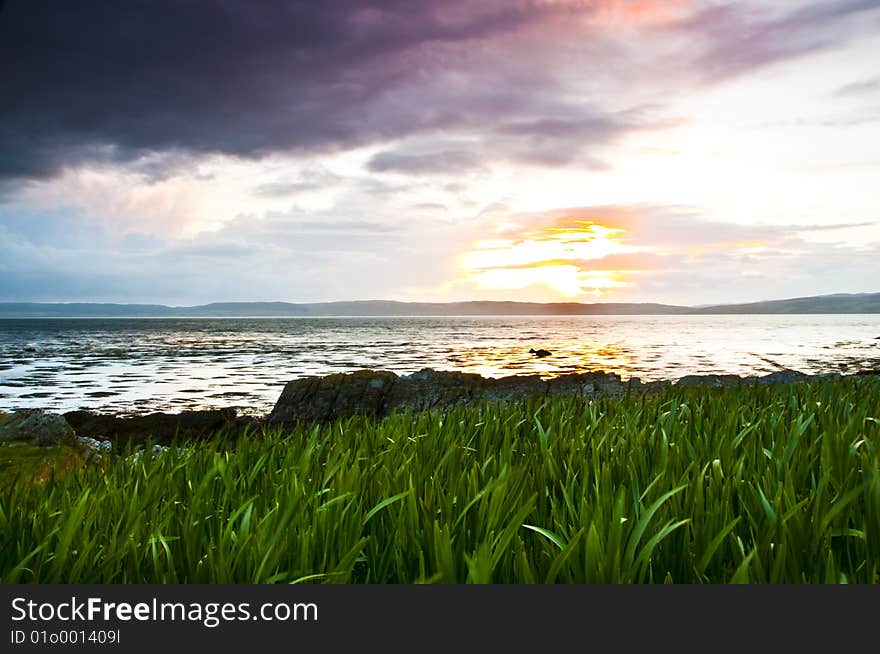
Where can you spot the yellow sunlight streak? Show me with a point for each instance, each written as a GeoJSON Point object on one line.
{"type": "Point", "coordinates": [556, 257]}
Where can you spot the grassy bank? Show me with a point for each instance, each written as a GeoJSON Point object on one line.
{"type": "Point", "coordinates": [759, 484]}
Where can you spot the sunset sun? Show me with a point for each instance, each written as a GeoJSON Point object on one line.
{"type": "Point", "coordinates": [571, 260]}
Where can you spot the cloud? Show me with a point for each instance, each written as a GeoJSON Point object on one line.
{"type": "Point", "coordinates": [734, 38]}
{"type": "Point", "coordinates": [669, 254]}
{"type": "Point", "coordinates": [559, 135]}
{"type": "Point", "coordinates": [157, 83]}
{"type": "Point", "coordinates": [865, 87]}
{"type": "Point", "coordinates": [282, 257]}
{"type": "Point", "coordinates": [556, 141]}
{"type": "Point", "coordinates": [315, 179]}
{"type": "Point", "coordinates": [181, 151]}
{"type": "Point", "coordinates": [450, 162]}
{"type": "Point", "coordinates": [661, 253]}
{"type": "Point", "coordinates": [115, 82]}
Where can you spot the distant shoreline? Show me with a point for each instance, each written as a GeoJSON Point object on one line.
{"type": "Point", "coordinates": [852, 304]}
{"type": "Point", "coordinates": [11, 319]}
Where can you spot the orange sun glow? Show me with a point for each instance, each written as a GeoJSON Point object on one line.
{"type": "Point", "coordinates": [571, 260]}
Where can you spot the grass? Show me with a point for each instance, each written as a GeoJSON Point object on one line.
{"type": "Point", "coordinates": [753, 484]}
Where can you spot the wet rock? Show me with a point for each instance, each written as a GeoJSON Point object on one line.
{"type": "Point", "coordinates": [36, 427]}
{"type": "Point", "coordinates": [155, 427]}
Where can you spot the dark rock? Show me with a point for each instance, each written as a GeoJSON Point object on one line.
{"type": "Point", "coordinates": [783, 377]}
{"type": "Point", "coordinates": [514, 386]}
{"type": "Point", "coordinates": [588, 384]}
{"type": "Point", "coordinates": [321, 399]}
{"type": "Point", "coordinates": [380, 392]}
{"type": "Point", "coordinates": [428, 389]}
{"type": "Point", "coordinates": [158, 427]}
{"type": "Point", "coordinates": [656, 387]}
{"type": "Point", "coordinates": [709, 380]}
{"type": "Point", "coordinates": [36, 427]}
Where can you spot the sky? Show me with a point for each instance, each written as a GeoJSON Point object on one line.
{"type": "Point", "coordinates": [686, 152]}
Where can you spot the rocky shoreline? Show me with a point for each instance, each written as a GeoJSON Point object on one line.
{"type": "Point", "coordinates": [381, 392]}
{"type": "Point", "coordinates": [320, 400]}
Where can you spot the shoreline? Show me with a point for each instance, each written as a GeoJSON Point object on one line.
{"type": "Point", "coordinates": [321, 400]}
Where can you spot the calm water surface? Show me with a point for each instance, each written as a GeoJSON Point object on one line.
{"type": "Point", "coordinates": [141, 365]}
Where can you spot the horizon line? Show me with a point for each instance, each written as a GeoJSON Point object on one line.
{"type": "Point", "coordinates": [438, 302]}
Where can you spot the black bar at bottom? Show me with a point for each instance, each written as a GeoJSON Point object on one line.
{"type": "Point", "coordinates": [153, 618]}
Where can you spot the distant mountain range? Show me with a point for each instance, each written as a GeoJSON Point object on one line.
{"type": "Point", "coordinates": [840, 303]}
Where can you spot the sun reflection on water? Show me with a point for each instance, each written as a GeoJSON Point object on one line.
{"type": "Point", "coordinates": [566, 358]}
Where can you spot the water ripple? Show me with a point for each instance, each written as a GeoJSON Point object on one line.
{"type": "Point", "coordinates": [137, 365]}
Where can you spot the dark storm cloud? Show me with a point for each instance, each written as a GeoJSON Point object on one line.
{"type": "Point", "coordinates": [560, 135]}
{"type": "Point", "coordinates": [155, 83]}
{"type": "Point", "coordinates": [115, 81]}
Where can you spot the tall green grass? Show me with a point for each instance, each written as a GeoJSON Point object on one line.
{"type": "Point", "coordinates": [757, 484]}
